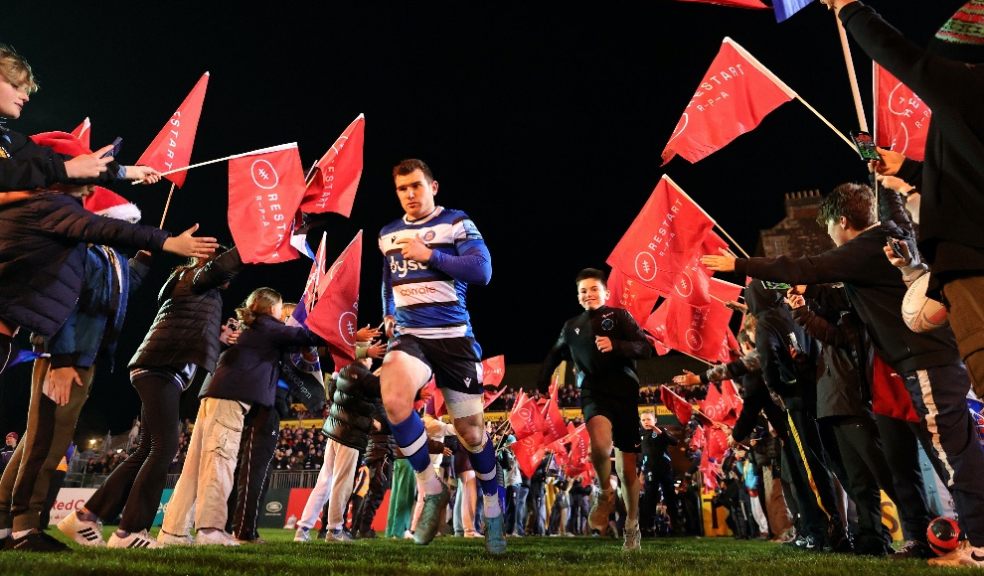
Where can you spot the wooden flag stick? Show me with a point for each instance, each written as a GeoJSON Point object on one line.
{"type": "Point", "coordinates": [827, 122]}
{"type": "Point", "coordinates": [167, 205]}
{"type": "Point", "coordinates": [732, 240]}
{"type": "Point", "coordinates": [701, 208]}
{"type": "Point", "coordinates": [852, 75]}
{"type": "Point", "coordinates": [232, 157]}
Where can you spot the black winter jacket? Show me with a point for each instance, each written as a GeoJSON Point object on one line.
{"type": "Point", "coordinates": [25, 165]}
{"type": "Point", "coordinates": [353, 407]}
{"type": "Point", "coordinates": [43, 251]}
{"type": "Point", "coordinates": [186, 329]}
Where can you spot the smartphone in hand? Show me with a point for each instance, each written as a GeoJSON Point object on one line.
{"type": "Point", "coordinates": [865, 145]}
{"type": "Point", "coordinates": [114, 152]}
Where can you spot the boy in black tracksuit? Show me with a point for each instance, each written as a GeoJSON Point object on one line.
{"type": "Point", "coordinates": [935, 377]}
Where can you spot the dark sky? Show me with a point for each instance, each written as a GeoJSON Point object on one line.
{"type": "Point", "coordinates": [544, 123]}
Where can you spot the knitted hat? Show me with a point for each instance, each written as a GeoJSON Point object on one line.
{"type": "Point", "coordinates": [105, 202]}
{"type": "Point", "coordinates": [962, 37]}
{"type": "Point", "coordinates": [12, 435]}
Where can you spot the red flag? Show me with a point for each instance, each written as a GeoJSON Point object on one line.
{"type": "Point", "coordinates": [663, 238]}
{"type": "Point", "coordinates": [717, 443]}
{"type": "Point", "coordinates": [709, 470]}
{"type": "Point", "coordinates": [83, 133]}
{"type": "Point", "coordinates": [489, 395]}
{"type": "Point", "coordinates": [732, 399]}
{"type": "Point", "coordinates": [901, 117]}
{"type": "Point", "coordinates": [264, 190]}
{"type": "Point", "coordinates": [753, 4]}
{"type": "Point", "coordinates": [526, 419]}
{"type": "Point", "coordinates": [315, 285]}
{"type": "Point", "coordinates": [700, 331]}
{"type": "Point", "coordinates": [718, 406]}
{"type": "Point", "coordinates": [554, 426]}
{"type": "Point", "coordinates": [691, 284]}
{"type": "Point", "coordinates": [432, 396]}
{"type": "Point", "coordinates": [493, 370]}
{"type": "Point", "coordinates": [336, 318]}
{"type": "Point", "coordinates": [529, 453]}
{"type": "Point", "coordinates": [674, 403]}
{"type": "Point", "coordinates": [579, 456]}
{"type": "Point", "coordinates": [337, 174]}
{"type": "Point", "coordinates": [172, 147]}
{"type": "Point", "coordinates": [636, 298]}
{"type": "Point", "coordinates": [697, 439]}
{"type": "Point", "coordinates": [655, 327]}
{"type": "Point", "coordinates": [735, 95]}
{"type": "Point", "coordinates": [559, 451]}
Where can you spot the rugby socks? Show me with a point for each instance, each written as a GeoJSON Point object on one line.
{"type": "Point", "coordinates": [411, 437]}
{"type": "Point", "coordinates": [483, 461]}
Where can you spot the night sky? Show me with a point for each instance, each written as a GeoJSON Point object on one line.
{"type": "Point", "coordinates": [544, 123]}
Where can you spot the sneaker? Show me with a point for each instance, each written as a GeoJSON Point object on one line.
{"type": "Point", "coordinates": [133, 540]}
{"type": "Point", "coordinates": [914, 549]}
{"type": "Point", "coordinates": [808, 543]}
{"type": "Point", "coordinates": [214, 538]}
{"type": "Point", "coordinates": [338, 536]}
{"type": "Point", "coordinates": [84, 532]}
{"type": "Point", "coordinates": [168, 539]}
{"type": "Point", "coordinates": [495, 538]}
{"type": "Point", "coordinates": [633, 540]}
{"type": "Point", "coordinates": [370, 533]}
{"type": "Point", "coordinates": [601, 509]}
{"type": "Point", "coordinates": [407, 535]}
{"type": "Point", "coordinates": [302, 534]}
{"type": "Point", "coordinates": [35, 541]}
{"type": "Point", "coordinates": [430, 516]}
{"type": "Point", "coordinates": [964, 555]}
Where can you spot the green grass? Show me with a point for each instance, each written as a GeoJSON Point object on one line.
{"type": "Point", "coordinates": [457, 556]}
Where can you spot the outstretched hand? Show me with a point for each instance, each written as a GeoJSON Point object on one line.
{"type": "Point", "coordinates": [688, 378]}
{"type": "Point", "coordinates": [186, 244]}
{"type": "Point", "coordinates": [142, 174]}
{"type": "Point", "coordinates": [723, 262]}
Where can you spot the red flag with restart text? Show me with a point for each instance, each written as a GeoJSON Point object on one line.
{"type": "Point", "coordinates": [701, 330]}
{"type": "Point", "coordinates": [336, 318]}
{"type": "Point", "coordinates": [692, 284]}
{"type": "Point", "coordinates": [635, 297]}
{"type": "Point", "coordinates": [753, 4]}
{"type": "Point", "coordinates": [171, 148]}
{"type": "Point", "coordinates": [737, 92]}
{"type": "Point", "coordinates": [525, 418]}
{"type": "Point", "coordinates": [84, 133]}
{"type": "Point", "coordinates": [554, 427]}
{"type": "Point", "coordinates": [265, 188]}
{"type": "Point", "coordinates": [722, 406]}
{"type": "Point", "coordinates": [336, 177]}
{"type": "Point", "coordinates": [493, 370]}
{"type": "Point", "coordinates": [529, 452]}
{"type": "Point", "coordinates": [901, 116]}
{"type": "Point", "coordinates": [676, 404]}
{"type": "Point", "coordinates": [663, 238]}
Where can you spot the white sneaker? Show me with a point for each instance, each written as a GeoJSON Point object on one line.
{"type": "Point", "coordinates": [214, 538]}
{"type": "Point", "coordinates": [337, 536]}
{"type": "Point", "coordinates": [169, 539]}
{"type": "Point", "coordinates": [407, 535]}
{"type": "Point", "coordinates": [964, 555]}
{"type": "Point", "coordinates": [134, 540]}
{"type": "Point", "coordinates": [83, 532]}
{"type": "Point", "coordinates": [302, 534]}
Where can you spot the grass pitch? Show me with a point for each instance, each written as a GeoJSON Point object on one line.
{"type": "Point", "coordinates": [457, 556]}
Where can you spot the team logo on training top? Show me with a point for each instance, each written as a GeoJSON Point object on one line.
{"type": "Point", "coordinates": [607, 324]}
{"type": "Point", "coordinates": [429, 235]}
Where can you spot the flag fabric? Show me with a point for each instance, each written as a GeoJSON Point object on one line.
{"type": "Point", "coordinates": [337, 174]}
{"type": "Point", "coordinates": [663, 238]}
{"type": "Point", "coordinates": [433, 399]}
{"type": "Point", "coordinates": [554, 427]}
{"type": "Point", "coordinates": [628, 293]}
{"type": "Point", "coordinates": [493, 370]}
{"type": "Point", "coordinates": [171, 148]}
{"type": "Point", "coordinates": [901, 117]}
{"type": "Point", "coordinates": [675, 404]}
{"type": "Point", "coordinates": [579, 456]}
{"type": "Point", "coordinates": [529, 453]}
{"type": "Point", "coordinates": [697, 439]}
{"type": "Point", "coordinates": [691, 284]}
{"type": "Point", "coordinates": [84, 133]}
{"type": "Point", "coordinates": [302, 372]}
{"type": "Point", "coordinates": [709, 471]}
{"type": "Point", "coordinates": [559, 451]}
{"type": "Point", "coordinates": [786, 8]}
{"type": "Point", "coordinates": [336, 318]}
{"type": "Point", "coordinates": [655, 328]}
{"type": "Point", "coordinates": [700, 330]}
{"type": "Point", "coordinates": [265, 189]}
{"type": "Point", "coordinates": [753, 4]}
{"type": "Point", "coordinates": [716, 442]}
{"type": "Point", "coordinates": [736, 94]}
{"type": "Point", "coordinates": [732, 399]}
{"type": "Point", "coordinates": [490, 395]}
{"type": "Point", "coordinates": [720, 406]}
{"type": "Point", "coordinates": [526, 418]}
